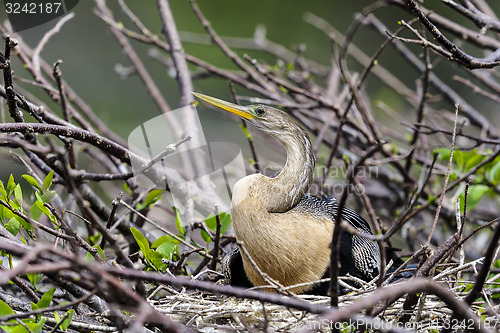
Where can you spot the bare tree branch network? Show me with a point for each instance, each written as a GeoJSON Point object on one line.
{"type": "Point", "coordinates": [404, 121]}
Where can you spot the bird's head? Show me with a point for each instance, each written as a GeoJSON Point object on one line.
{"type": "Point", "coordinates": [269, 119]}
{"type": "Point", "coordinates": [296, 176]}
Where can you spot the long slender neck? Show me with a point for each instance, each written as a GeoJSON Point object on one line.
{"type": "Point", "coordinates": [285, 190]}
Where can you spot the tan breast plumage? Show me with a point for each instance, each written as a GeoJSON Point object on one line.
{"type": "Point", "coordinates": [285, 246]}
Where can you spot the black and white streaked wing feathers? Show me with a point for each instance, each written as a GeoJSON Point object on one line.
{"type": "Point", "coordinates": [365, 253]}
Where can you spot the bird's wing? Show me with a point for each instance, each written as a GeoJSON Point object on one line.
{"type": "Point", "coordinates": [232, 267]}
{"type": "Point", "coordinates": [327, 207]}
{"type": "Point", "coordinates": [355, 250]}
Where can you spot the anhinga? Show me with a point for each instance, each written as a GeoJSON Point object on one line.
{"type": "Point", "coordinates": [285, 231]}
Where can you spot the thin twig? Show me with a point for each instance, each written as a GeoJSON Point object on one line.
{"type": "Point", "coordinates": [35, 61]}
{"type": "Point", "coordinates": [213, 263]}
{"type": "Point", "coordinates": [443, 192]}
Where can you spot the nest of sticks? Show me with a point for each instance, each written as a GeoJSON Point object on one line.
{"type": "Point", "coordinates": [207, 312]}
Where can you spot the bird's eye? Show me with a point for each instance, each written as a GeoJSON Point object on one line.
{"type": "Point", "coordinates": [260, 111]}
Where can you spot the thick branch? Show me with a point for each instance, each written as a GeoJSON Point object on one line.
{"type": "Point", "coordinates": [92, 138]}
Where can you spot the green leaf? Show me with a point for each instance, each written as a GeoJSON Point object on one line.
{"type": "Point", "coordinates": [205, 236]}
{"type": "Point", "coordinates": [18, 194]}
{"type": "Point", "coordinates": [20, 329]}
{"type": "Point", "coordinates": [94, 239]}
{"type": "Point", "coordinates": [431, 199]}
{"type": "Point", "coordinates": [472, 159]}
{"type": "Point", "coordinates": [476, 192]}
{"type": "Point", "coordinates": [463, 160]}
{"type": "Point", "coordinates": [163, 239]}
{"type": "Point", "coordinates": [11, 185]}
{"type": "Point", "coordinates": [47, 182]}
{"type": "Point", "coordinates": [48, 196]}
{"type": "Point", "coordinates": [14, 204]}
{"type": "Point", "coordinates": [225, 221]}
{"type": "Point", "coordinates": [26, 225]}
{"type": "Point", "coordinates": [494, 173]}
{"type": "Point", "coordinates": [35, 212]}
{"type": "Point", "coordinates": [459, 159]}
{"type": "Point", "coordinates": [30, 179]}
{"type": "Point", "coordinates": [46, 299]}
{"type": "Point", "coordinates": [46, 211]}
{"type": "Point", "coordinates": [100, 253]}
{"type": "Point", "coordinates": [141, 241]}
{"type": "Point", "coordinates": [153, 196]}
{"type": "Point", "coordinates": [34, 278]}
{"type": "Point", "coordinates": [178, 222]}
{"type": "Point", "coordinates": [53, 218]}
{"type": "Point", "coordinates": [69, 316]}
{"type": "Point", "coordinates": [442, 153]}
{"type": "Point", "coordinates": [126, 188]}
{"type": "Point", "coordinates": [166, 250]}
{"type": "Point", "coordinates": [39, 325]}
{"type": "Point", "coordinates": [31, 327]}
{"type": "Point", "coordinates": [283, 89]}
{"type": "Point", "coordinates": [155, 258]}
{"type": "Point", "coordinates": [38, 197]}
{"type": "Point", "coordinates": [6, 213]}
{"type": "Point", "coordinates": [5, 309]}
{"type": "Point", "coordinates": [2, 190]}
{"type": "Point", "coordinates": [211, 222]}
{"type": "Point", "coordinates": [13, 226]}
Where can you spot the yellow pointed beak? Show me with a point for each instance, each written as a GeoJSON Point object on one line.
{"type": "Point", "coordinates": [242, 111]}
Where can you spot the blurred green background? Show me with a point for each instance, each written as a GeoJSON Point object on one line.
{"type": "Point", "coordinates": [90, 53]}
